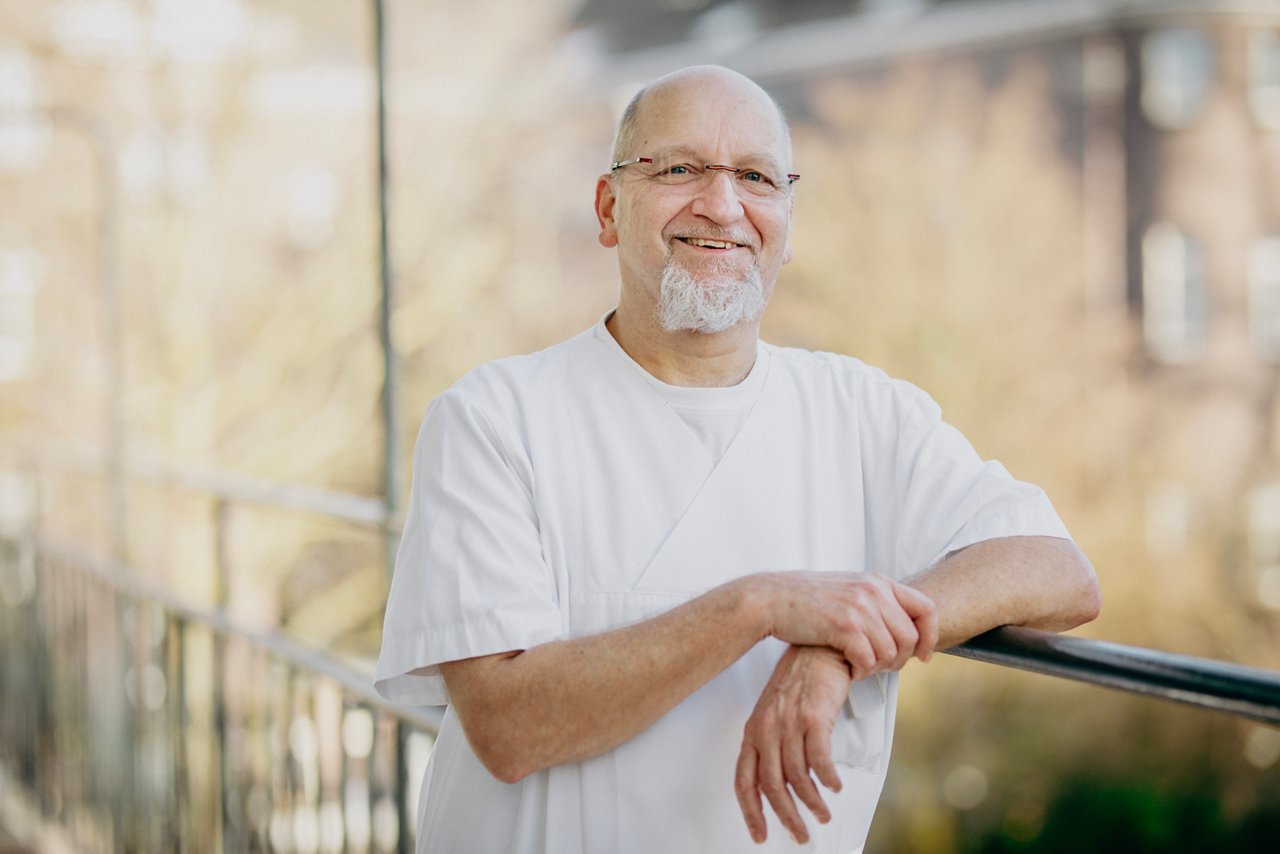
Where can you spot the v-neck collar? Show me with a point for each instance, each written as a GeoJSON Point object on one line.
{"type": "Point", "coordinates": [738, 396]}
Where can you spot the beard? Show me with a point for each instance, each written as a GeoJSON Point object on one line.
{"type": "Point", "coordinates": [709, 305]}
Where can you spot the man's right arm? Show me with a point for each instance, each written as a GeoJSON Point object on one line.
{"type": "Point", "coordinates": [569, 700]}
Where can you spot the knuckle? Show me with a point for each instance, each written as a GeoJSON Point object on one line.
{"type": "Point", "coordinates": [862, 658]}
{"type": "Point", "coordinates": [773, 788]}
{"type": "Point", "coordinates": [812, 719]}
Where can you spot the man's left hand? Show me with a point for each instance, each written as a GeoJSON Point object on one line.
{"type": "Point", "coordinates": [788, 735]}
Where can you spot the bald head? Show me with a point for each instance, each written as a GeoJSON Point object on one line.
{"type": "Point", "coordinates": [689, 85]}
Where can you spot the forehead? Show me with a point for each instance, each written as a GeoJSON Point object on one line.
{"type": "Point", "coordinates": [711, 116]}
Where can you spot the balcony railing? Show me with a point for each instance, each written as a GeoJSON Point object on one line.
{"type": "Point", "coordinates": [139, 723]}
{"type": "Point", "coordinates": [135, 721]}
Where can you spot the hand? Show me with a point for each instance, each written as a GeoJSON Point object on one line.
{"type": "Point", "coordinates": [876, 623]}
{"type": "Point", "coordinates": [789, 735]}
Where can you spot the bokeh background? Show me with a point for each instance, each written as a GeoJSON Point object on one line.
{"type": "Point", "coordinates": [1062, 219]}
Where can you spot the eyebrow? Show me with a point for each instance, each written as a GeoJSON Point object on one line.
{"type": "Point", "coordinates": [761, 159]}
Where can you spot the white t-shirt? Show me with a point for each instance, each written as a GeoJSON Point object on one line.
{"type": "Point", "coordinates": [564, 493]}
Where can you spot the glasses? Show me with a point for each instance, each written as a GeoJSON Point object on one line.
{"type": "Point", "coordinates": [750, 182]}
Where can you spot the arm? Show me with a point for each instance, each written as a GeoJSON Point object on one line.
{"type": "Point", "coordinates": [569, 700]}
{"type": "Point", "coordinates": [1038, 582]}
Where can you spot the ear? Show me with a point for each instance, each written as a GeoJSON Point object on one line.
{"type": "Point", "coordinates": [788, 253]}
{"type": "Point", "coordinates": [606, 204]}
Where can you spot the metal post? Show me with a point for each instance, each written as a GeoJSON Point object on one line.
{"type": "Point", "coordinates": [222, 829]}
{"type": "Point", "coordinates": [391, 444]}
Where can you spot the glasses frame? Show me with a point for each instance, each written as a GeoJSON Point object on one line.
{"type": "Point", "coordinates": [792, 177]}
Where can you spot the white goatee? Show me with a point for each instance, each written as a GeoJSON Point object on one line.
{"type": "Point", "coordinates": [708, 305]}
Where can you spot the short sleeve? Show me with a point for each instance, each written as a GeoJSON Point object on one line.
{"type": "Point", "coordinates": [950, 497]}
{"type": "Point", "coordinates": [470, 579]}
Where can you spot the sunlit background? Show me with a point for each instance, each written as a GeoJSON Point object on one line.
{"type": "Point", "coordinates": [1059, 217]}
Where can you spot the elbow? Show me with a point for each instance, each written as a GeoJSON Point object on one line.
{"type": "Point", "coordinates": [1086, 601]}
{"type": "Point", "coordinates": [506, 772]}
{"type": "Point", "coordinates": [1089, 602]}
{"type": "Point", "coordinates": [1072, 596]}
{"type": "Point", "coordinates": [498, 756]}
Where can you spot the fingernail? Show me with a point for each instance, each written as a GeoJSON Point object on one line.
{"type": "Point", "coordinates": [757, 837]}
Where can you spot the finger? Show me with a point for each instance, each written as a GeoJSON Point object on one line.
{"type": "Point", "coordinates": [923, 613]}
{"type": "Point", "coordinates": [796, 767]}
{"type": "Point", "coordinates": [744, 786]}
{"type": "Point", "coordinates": [906, 637]}
{"type": "Point", "coordinates": [817, 749]}
{"type": "Point", "coordinates": [861, 657]}
{"type": "Point", "coordinates": [881, 639]}
{"type": "Point", "coordinates": [891, 630]}
{"type": "Point", "coordinates": [927, 625]}
{"type": "Point", "coordinates": [912, 600]}
{"type": "Point", "coordinates": [774, 788]}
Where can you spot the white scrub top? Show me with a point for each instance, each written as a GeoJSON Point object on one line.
{"type": "Point", "coordinates": [561, 494]}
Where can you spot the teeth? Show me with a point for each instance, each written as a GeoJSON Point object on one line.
{"type": "Point", "coordinates": [710, 244]}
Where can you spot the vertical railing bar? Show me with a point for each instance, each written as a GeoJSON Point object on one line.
{"type": "Point", "coordinates": [399, 790]}
{"type": "Point", "coordinates": [218, 700]}
{"type": "Point", "coordinates": [344, 767]}
{"type": "Point", "coordinates": [371, 772]}
{"type": "Point", "coordinates": [175, 632]}
{"type": "Point", "coordinates": [71, 609]}
{"type": "Point", "coordinates": [120, 820]}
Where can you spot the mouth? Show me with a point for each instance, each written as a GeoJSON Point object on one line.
{"type": "Point", "coordinates": [706, 243]}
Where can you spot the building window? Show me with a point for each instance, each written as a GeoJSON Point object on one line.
{"type": "Point", "coordinates": [1264, 297]}
{"type": "Point", "coordinates": [1264, 77]}
{"type": "Point", "coordinates": [1177, 68]}
{"type": "Point", "coordinates": [1174, 294]}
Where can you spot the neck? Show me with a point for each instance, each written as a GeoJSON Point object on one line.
{"type": "Point", "coordinates": [685, 358]}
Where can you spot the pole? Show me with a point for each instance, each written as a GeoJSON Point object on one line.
{"type": "Point", "coordinates": [391, 444]}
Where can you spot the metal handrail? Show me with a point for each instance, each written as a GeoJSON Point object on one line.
{"type": "Point", "coordinates": [238, 488]}
{"type": "Point", "coordinates": [1249, 692]}
{"type": "Point", "coordinates": [356, 683]}
{"type": "Point", "coordinates": [137, 720]}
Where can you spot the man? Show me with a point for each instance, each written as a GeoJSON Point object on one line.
{"type": "Point", "coordinates": [663, 574]}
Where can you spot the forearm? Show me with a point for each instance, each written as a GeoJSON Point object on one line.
{"type": "Point", "coordinates": [1038, 582]}
{"type": "Point", "coordinates": [570, 700]}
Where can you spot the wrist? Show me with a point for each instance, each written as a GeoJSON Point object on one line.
{"type": "Point", "coordinates": [834, 656]}
{"type": "Point", "coordinates": [751, 606]}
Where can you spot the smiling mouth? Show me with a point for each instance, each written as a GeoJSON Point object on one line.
{"type": "Point", "coordinates": [709, 244]}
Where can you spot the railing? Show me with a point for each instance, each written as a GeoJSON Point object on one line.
{"type": "Point", "coordinates": [139, 722]}
{"type": "Point", "coordinates": [136, 721]}
{"type": "Point", "coordinates": [1245, 691]}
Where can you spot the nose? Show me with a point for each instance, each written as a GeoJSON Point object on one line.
{"type": "Point", "coordinates": [716, 199]}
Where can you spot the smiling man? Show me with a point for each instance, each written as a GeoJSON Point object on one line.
{"type": "Point", "coordinates": [664, 575]}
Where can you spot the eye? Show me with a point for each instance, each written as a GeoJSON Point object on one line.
{"type": "Point", "coordinates": [754, 177]}
{"type": "Point", "coordinates": [680, 169]}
